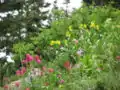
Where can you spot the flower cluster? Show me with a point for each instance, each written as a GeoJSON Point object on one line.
{"type": "Point", "coordinates": [93, 25]}
{"type": "Point", "coordinates": [29, 58]}
{"type": "Point", "coordinates": [37, 59]}
{"type": "Point", "coordinates": [21, 72]}
{"type": "Point", "coordinates": [57, 42]}
{"type": "Point", "coordinates": [67, 65]}
{"type": "Point", "coordinates": [16, 84]}
{"type": "Point", "coordinates": [82, 26]}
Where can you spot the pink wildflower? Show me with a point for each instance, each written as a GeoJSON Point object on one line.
{"type": "Point", "coordinates": [23, 69]}
{"type": "Point", "coordinates": [50, 70]}
{"type": "Point", "coordinates": [38, 61]}
{"type": "Point", "coordinates": [18, 72]}
{"type": "Point", "coordinates": [17, 84]}
{"type": "Point", "coordinates": [24, 61]}
{"type": "Point", "coordinates": [37, 57]}
{"type": "Point", "coordinates": [21, 73]}
{"type": "Point", "coordinates": [29, 57]}
{"type": "Point", "coordinates": [62, 81]}
{"type": "Point", "coordinates": [6, 87]}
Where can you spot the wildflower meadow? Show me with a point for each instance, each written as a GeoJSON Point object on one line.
{"type": "Point", "coordinates": [78, 52]}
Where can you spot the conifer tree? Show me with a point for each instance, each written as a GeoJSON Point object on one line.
{"type": "Point", "coordinates": [26, 23]}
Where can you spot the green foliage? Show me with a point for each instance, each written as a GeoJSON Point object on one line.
{"type": "Point", "coordinates": [21, 49]}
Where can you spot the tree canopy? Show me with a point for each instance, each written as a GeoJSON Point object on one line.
{"type": "Point", "coordinates": [27, 22]}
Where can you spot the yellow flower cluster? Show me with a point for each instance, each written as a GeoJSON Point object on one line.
{"type": "Point", "coordinates": [55, 42]}
{"type": "Point", "coordinates": [83, 26]}
{"type": "Point", "coordinates": [93, 25]}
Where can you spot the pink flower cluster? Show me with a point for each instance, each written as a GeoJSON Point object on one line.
{"type": "Point", "coordinates": [17, 84]}
{"type": "Point", "coordinates": [37, 59]}
{"type": "Point", "coordinates": [27, 59]}
{"type": "Point", "coordinates": [21, 72]}
{"type": "Point", "coordinates": [30, 58]}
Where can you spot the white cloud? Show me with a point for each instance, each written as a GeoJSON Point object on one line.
{"type": "Point", "coordinates": [60, 4]}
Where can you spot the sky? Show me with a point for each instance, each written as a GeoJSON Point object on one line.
{"type": "Point", "coordinates": [72, 4]}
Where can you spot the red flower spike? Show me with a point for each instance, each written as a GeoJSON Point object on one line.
{"type": "Point", "coordinates": [50, 70]}
{"type": "Point", "coordinates": [37, 57]}
{"type": "Point", "coordinates": [67, 65]}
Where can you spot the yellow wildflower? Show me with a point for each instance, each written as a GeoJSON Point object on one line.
{"type": "Point", "coordinates": [82, 26]}
{"type": "Point", "coordinates": [92, 25]}
{"type": "Point", "coordinates": [68, 34]}
{"type": "Point", "coordinates": [70, 28]}
{"type": "Point", "coordinates": [52, 43]}
{"type": "Point", "coordinates": [57, 42]}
